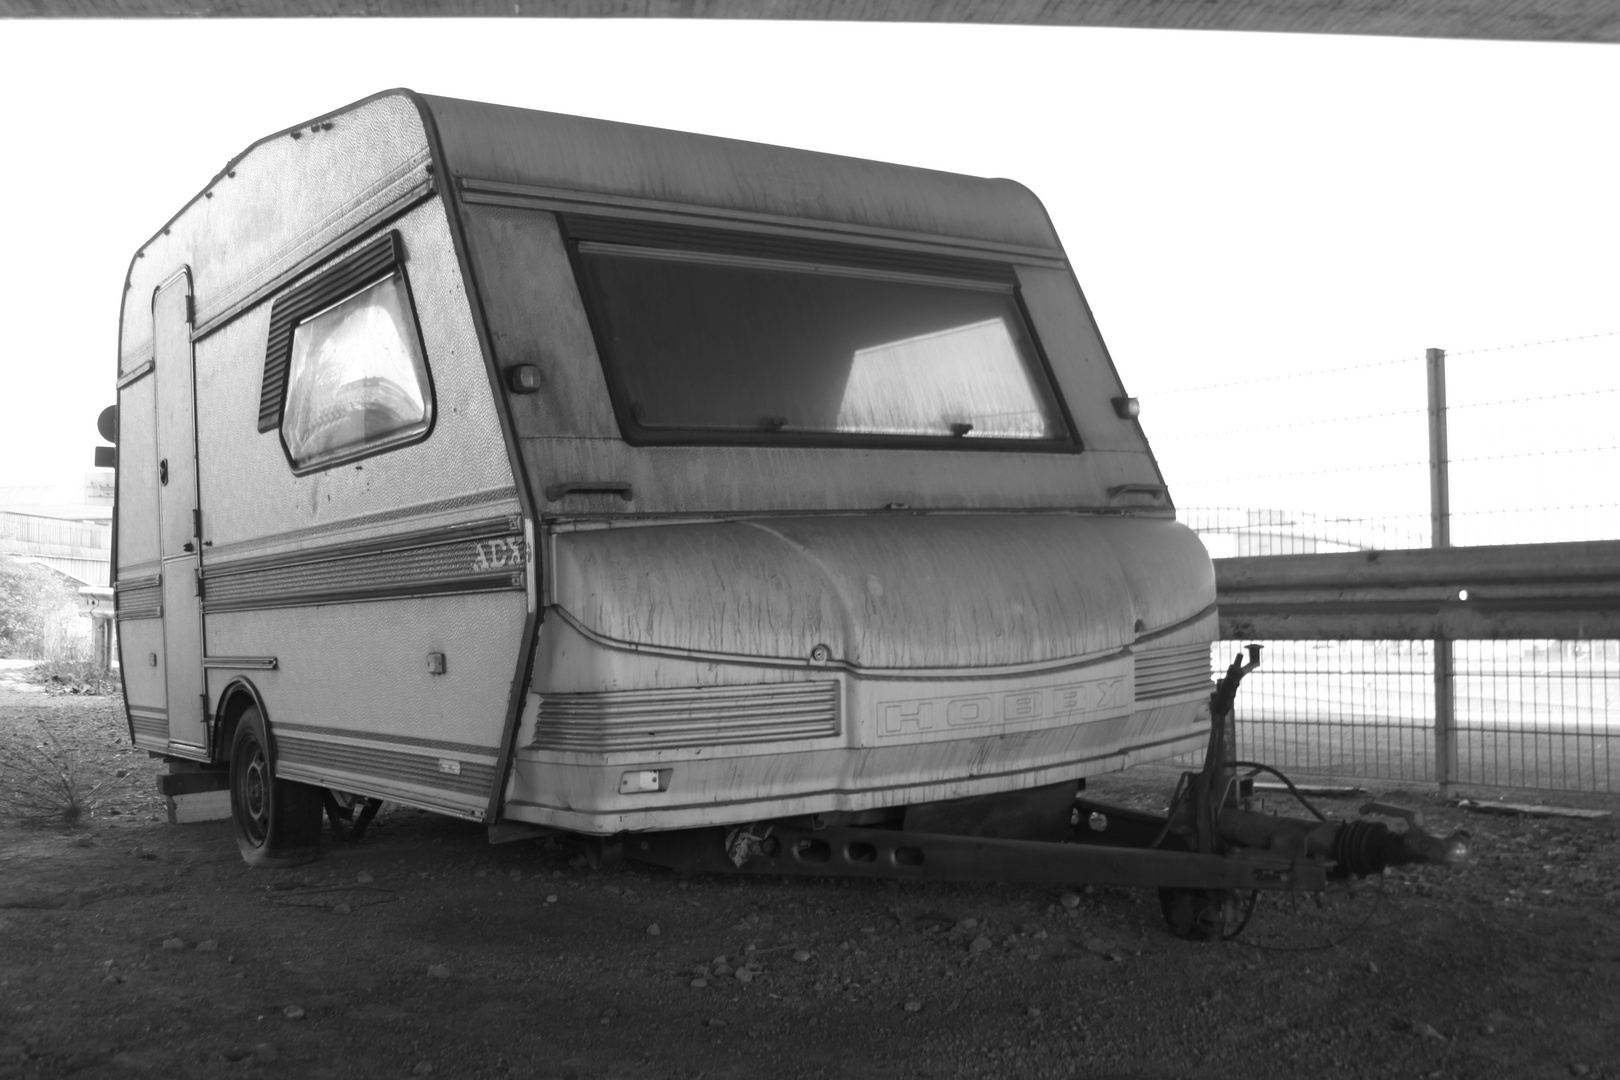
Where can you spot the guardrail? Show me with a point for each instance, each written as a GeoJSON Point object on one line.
{"type": "Point", "coordinates": [1485, 666]}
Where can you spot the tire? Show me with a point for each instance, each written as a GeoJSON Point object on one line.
{"type": "Point", "coordinates": [278, 822]}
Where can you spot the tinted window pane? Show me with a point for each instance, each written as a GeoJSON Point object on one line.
{"type": "Point", "coordinates": [357, 379]}
{"type": "Point", "coordinates": [730, 344]}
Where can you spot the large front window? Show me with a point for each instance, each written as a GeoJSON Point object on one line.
{"type": "Point", "coordinates": [705, 346]}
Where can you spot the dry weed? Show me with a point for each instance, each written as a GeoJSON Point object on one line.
{"type": "Point", "coordinates": [39, 782]}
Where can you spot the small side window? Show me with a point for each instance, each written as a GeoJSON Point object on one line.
{"type": "Point", "coordinates": [345, 374]}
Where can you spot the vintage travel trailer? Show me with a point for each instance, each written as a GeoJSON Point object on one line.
{"type": "Point", "coordinates": [555, 472]}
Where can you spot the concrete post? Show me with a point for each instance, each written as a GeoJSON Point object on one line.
{"type": "Point", "coordinates": [1445, 732]}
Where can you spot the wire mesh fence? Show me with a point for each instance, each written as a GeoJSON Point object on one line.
{"type": "Point", "coordinates": [1528, 713]}
{"type": "Point", "coordinates": [1336, 459]}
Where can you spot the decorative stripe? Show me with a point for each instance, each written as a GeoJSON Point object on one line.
{"type": "Point", "coordinates": [241, 663]}
{"type": "Point", "coordinates": [488, 556]}
{"type": "Point", "coordinates": [695, 716]}
{"type": "Point", "coordinates": [138, 598]}
{"type": "Point", "coordinates": [470, 778]}
{"type": "Point", "coordinates": [419, 510]}
{"type": "Point", "coordinates": [398, 740]}
{"type": "Point", "coordinates": [370, 264]}
{"type": "Point", "coordinates": [1172, 672]}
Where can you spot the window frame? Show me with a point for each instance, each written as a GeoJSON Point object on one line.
{"type": "Point", "coordinates": [369, 265]}
{"type": "Point", "coordinates": [869, 261]}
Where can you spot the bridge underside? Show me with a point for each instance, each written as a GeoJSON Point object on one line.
{"type": "Point", "coordinates": [1508, 20]}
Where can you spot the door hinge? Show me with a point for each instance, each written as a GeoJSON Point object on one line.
{"type": "Point", "coordinates": [198, 572]}
{"type": "Point", "coordinates": [191, 309]}
{"type": "Point", "coordinates": [204, 699]}
{"type": "Point", "coordinates": [196, 523]}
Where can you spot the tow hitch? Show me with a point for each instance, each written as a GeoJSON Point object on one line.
{"type": "Point", "coordinates": [1206, 850]}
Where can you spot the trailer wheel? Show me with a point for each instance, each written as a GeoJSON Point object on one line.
{"type": "Point", "coordinates": [278, 822]}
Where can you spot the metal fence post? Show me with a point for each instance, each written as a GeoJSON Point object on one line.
{"type": "Point", "coordinates": [1445, 732]}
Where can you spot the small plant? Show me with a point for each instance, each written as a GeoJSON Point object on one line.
{"type": "Point", "coordinates": [39, 784]}
{"type": "Point", "coordinates": [72, 676]}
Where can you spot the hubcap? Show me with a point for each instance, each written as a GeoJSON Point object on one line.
{"type": "Point", "coordinates": [255, 815]}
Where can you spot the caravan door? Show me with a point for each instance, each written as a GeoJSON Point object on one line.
{"type": "Point", "coordinates": [179, 517]}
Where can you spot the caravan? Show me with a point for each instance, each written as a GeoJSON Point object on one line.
{"type": "Point", "coordinates": [554, 472]}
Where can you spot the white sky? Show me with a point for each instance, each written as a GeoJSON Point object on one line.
{"type": "Point", "coordinates": [1235, 205]}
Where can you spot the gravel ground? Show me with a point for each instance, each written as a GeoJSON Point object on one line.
{"type": "Point", "coordinates": [130, 947]}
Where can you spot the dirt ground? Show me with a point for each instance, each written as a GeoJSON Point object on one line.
{"type": "Point", "coordinates": [132, 947]}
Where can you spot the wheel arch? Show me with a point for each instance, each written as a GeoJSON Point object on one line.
{"type": "Point", "coordinates": [238, 696]}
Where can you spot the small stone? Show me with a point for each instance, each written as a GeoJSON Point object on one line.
{"type": "Point", "coordinates": [722, 969]}
{"type": "Point", "coordinates": [439, 971]}
{"type": "Point", "coordinates": [293, 1012]}
{"type": "Point", "coordinates": [914, 1006]}
{"type": "Point", "coordinates": [980, 944]}
{"type": "Point", "coordinates": [60, 946]}
{"type": "Point", "coordinates": [1428, 1032]}
{"type": "Point", "coordinates": [967, 924]}
{"type": "Point", "coordinates": [716, 1022]}
{"type": "Point", "coordinates": [515, 875]}
{"type": "Point", "coordinates": [1372, 968]}
{"type": "Point", "coordinates": [208, 946]}
{"type": "Point", "coordinates": [111, 979]}
{"type": "Point", "coordinates": [266, 1053]}
{"type": "Point", "coordinates": [699, 983]}
{"type": "Point", "coordinates": [1580, 1069]}
{"type": "Point", "coordinates": [173, 944]}
{"type": "Point", "coordinates": [552, 899]}
{"type": "Point", "coordinates": [1033, 1012]}
{"type": "Point", "coordinates": [654, 930]}
{"type": "Point", "coordinates": [422, 1069]}
{"type": "Point", "coordinates": [364, 878]}
{"type": "Point", "coordinates": [745, 975]}
{"type": "Point", "coordinates": [342, 909]}
{"type": "Point", "coordinates": [1070, 901]}
{"type": "Point", "coordinates": [481, 873]}
{"type": "Point", "coordinates": [801, 955]}
{"type": "Point", "coordinates": [610, 1013]}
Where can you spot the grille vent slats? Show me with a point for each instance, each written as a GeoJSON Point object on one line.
{"type": "Point", "coordinates": [1172, 672]}
{"type": "Point", "coordinates": [686, 717]}
{"type": "Point", "coordinates": [370, 264]}
{"type": "Point", "coordinates": [423, 770]}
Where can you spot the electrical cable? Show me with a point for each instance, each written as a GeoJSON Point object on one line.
{"type": "Point", "coordinates": [1278, 773]}
{"type": "Point", "coordinates": [1378, 900]}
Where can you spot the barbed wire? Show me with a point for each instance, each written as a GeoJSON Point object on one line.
{"type": "Point", "coordinates": [1527, 400]}
{"type": "Point", "coordinates": [1338, 369]}
{"type": "Point", "coordinates": [1208, 432]}
{"type": "Point", "coordinates": [1304, 472]}
{"type": "Point", "coordinates": [1531, 344]}
{"type": "Point", "coordinates": [1536, 509]}
{"type": "Point", "coordinates": [1536, 453]}
{"type": "Point", "coordinates": [1281, 378]}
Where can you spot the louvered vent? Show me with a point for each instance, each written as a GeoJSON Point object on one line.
{"type": "Point", "coordinates": [686, 717]}
{"type": "Point", "coordinates": [1172, 672]}
{"type": "Point", "coordinates": [367, 266]}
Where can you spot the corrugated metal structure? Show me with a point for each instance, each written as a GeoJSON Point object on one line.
{"type": "Point", "coordinates": [1512, 20]}
{"type": "Point", "coordinates": [80, 549]}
